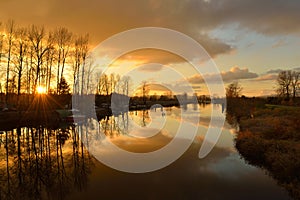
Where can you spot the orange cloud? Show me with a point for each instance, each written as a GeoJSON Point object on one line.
{"type": "Point", "coordinates": [234, 73]}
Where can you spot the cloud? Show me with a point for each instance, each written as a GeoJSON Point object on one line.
{"type": "Point", "coordinates": [236, 73]}
{"type": "Point", "coordinates": [164, 88]}
{"type": "Point", "coordinates": [266, 92]}
{"type": "Point", "coordinates": [214, 46]}
{"type": "Point", "coordinates": [103, 19]}
{"type": "Point", "coordinates": [233, 74]}
{"type": "Point", "coordinates": [153, 56]}
{"type": "Point", "coordinates": [296, 68]}
{"type": "Point", "coordinates": [150, 68]}
{"type": "Point", "coordinates": [194, 17]}
{"type": "Point", "coordinates": [175, 88]}
{"type": "Point", "coordinates": [279, 43]}
{"type": "Point", "coordinates": [266, 77]}
{"type": "Point", "coordinates": [274, 71]}
{"type": "Point", "coordinates": [270, 17]}
{"type": "Point", "coordinates": [250, 44]}
{"type": "Point", "coordinates": [272, 74]}
{"type": "Point", "coordinates": [277, 71]}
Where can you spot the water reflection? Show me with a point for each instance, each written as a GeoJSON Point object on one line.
{"type": "Point", "coordinates": [54, 163]}
{"type": "Point", "coordinates": [220, 175]}
{"type": "Point", "coordinates": [43, 163]}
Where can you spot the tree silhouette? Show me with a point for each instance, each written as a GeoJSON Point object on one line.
{"type": "Point", "coordinates": [64, 87]}
{"type": "Point", "coordinates": [233, 90]}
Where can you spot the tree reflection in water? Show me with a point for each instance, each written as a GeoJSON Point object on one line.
{"type": "Point", "coordinates": [42, 162]}
{"type": "Point", "coordinates": [113, 126]}
{"type": "Point", "coordinates": [47, 163]}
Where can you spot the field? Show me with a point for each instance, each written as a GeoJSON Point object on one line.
{"type": "Point", "coordinates": [270, 139]}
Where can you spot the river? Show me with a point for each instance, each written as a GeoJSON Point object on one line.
{"type": "Point", "coordinates": [64, 162]}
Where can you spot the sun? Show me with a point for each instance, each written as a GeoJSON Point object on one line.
{"type": "Point", "coordinates": [41, 90]}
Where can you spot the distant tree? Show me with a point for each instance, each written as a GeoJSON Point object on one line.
{"type": "Point", "coordinates": [89, 74]}
{"type": "Point", "coordinates": [169, 94]}
{"type": "Point", "coordinates": [295, 82]}
{"type": "Point", "coordinates": [112, 82]}
{"type": "Point", "coordinates": [145, 90]}
{"type": "Point", "coordinates": [104, 86]}
{"type": "Point", "coordinates": [153, 97]}
{"type": "Point", "coordinates": [284, 81]}
{"type": "Point", "coordinates": [233, 90]}
{"type": "Point", "coordinates": [117, 83]}
{"type": "Point", "coordinates": [64, 87]}
{"type": "Point", "coordinates": [126, 85]}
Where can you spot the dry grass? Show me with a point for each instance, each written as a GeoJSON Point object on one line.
{"type": "Point", "coordinates": [271, 140]}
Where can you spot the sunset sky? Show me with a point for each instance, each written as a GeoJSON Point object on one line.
{"type": "Point", "coordinates": [250, 41]}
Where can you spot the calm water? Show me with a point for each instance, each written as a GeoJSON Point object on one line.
{"type": "Point", "coordinates": [61, 163]}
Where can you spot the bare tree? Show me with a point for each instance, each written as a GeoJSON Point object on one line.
{"type": "Point", "coordinates": [233, 90]}
{"type": "Point", "coordinates": [10, 29]}
{"type": "Point", "coordinates": [284, 81]}
{"type": "Point", "coordinates": [117, 85]}
{"type": "Point", "coordinates": [90, 84]}
{"type": "Point", "coordinates": [125, 85]}
{"type": "Point", "coordinates": [36, 37]}
{"type": "Point", "coordinates": [29, 69]}
{"type": "Point", "coordinates": [145, 91]}
{"type": "Point", "coordinates": [30, 56]}
{"type": "Point", "coordinates": [63, 40]}
{"type": "Point", "coordinates": [104, 84]}
{"type": "Point", "coordinates": [21, 49]}
{"type": "Point", "coordinates": [112, 82]}
{"type": "Point", "coordinates": [295, 82]}
{"type": "Point", "coordinates": [79, 57]}
{"type": "Point", "coordinates": [1, 50]}
{"type": "Point", "coordinates": [49, 61]}
{"type": "Point", "coordinates": [84, 52]}
{"type": "Point", "coordinates": [1, 45]}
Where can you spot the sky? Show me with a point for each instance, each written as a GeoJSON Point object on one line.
{"type": "Point", "coordinates": [249, 41]}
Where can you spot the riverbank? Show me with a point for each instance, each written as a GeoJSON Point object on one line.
{"type": "Point", "coordinates": [52, 118]}
{"type": "Point", "coordinates": [47, 118]}
{"type": "Point", "coordinates": [269, 138]}
{"type": "Point", "coordinates": [14, 119]}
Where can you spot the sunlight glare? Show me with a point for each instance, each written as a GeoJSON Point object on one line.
{"type": "Point", "coordinates": [41, 90]}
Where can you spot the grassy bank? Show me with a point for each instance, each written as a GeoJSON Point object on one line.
{"type": "Point", "coordinates": [269, 138]}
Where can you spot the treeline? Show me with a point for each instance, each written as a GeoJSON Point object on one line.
{"type": "Point", "coordinates": [114, 83]}
{"type": "Point", "coordinates": [288, 84]}
{"type": "Point", "coordinates": [33, 57]}
{"type": "Point", "coordinates": [287, 89]}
